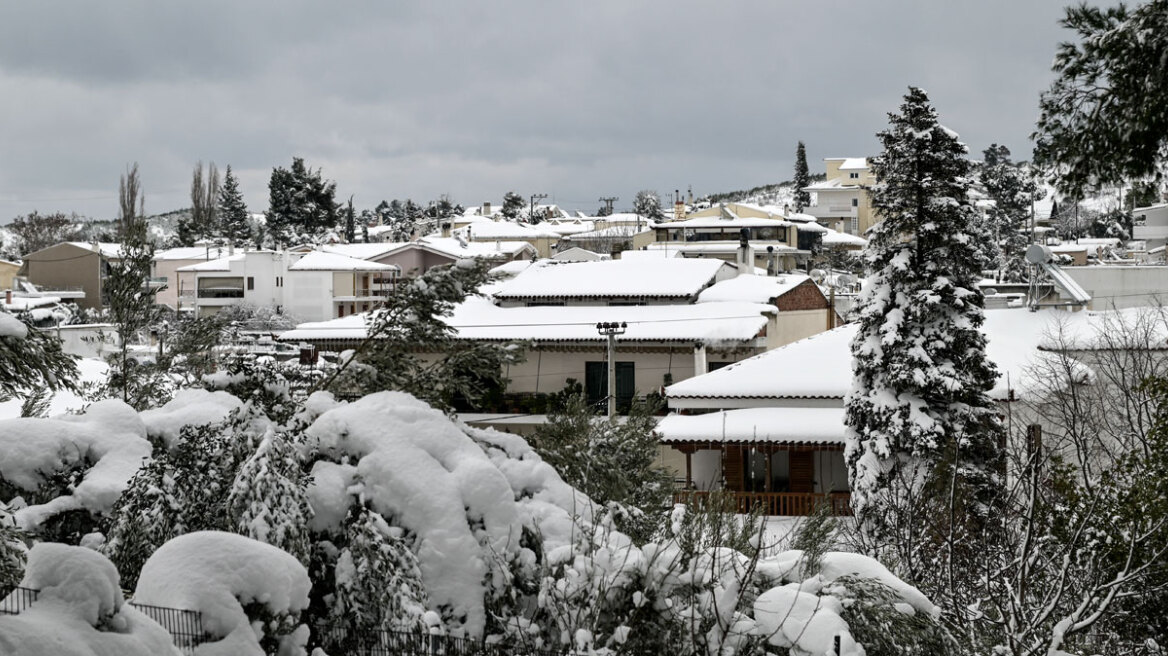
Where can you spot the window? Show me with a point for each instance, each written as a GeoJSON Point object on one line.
{"type": "Point", "coordinates": [596, 383]}
{"type": "Point", "coordinates": [854, 176]}
{"type": "Point", "coordinates": [250, 284]}
{"type": "Point", "coordinates": [855, 202]}
{"type": "Point", "coordinates": [279, 281]}
{"type": "Point", "coordinates": [855, 226]}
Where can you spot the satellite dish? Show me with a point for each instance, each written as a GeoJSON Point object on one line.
{"type": "Point", "coordinates": [846, 279]}
{"type": "Point", "coordinates": [817, 275]}
{"type": "Point", "coordinates": [989, 291]}
{"type": "Point", "coordinates": [1038, 254]}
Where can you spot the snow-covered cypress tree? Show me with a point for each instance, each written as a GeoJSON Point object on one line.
{"type": "Point", "coordinates": [919, 398]}
{"type": "Point", "coordinates": [233, 220]}
{"type": "Point", "coordinates": [267, 500]}
{"type": "Point", "coordinates": [802, 179]}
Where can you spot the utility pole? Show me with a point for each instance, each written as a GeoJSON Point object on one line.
{"type": "Point", "coordinates": [534, 197]}
{"type": "Point", "coordinates": [611, 330]}
{"type": "Point", "coordinates": [608, 201]}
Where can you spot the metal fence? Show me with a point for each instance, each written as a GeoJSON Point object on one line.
{"type": "Point", "coordinates": [407, 643]}
{"type": "Point", "coordinates": [14, 599]}
{"type": "Point", "coordinates": [185, 626]}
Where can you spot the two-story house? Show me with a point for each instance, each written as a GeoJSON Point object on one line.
{"type": "Point", "coordinates": [841, 201]}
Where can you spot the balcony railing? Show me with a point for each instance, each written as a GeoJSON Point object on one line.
{"type": "Point", "coordinates": [794, 504]}
{"type": "Point", "coordinates": [220, 292]}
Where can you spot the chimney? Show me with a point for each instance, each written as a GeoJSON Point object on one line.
{"type": "Point", "coordinates": [745, 256]}
{"type": "Point", "coordinates": [446, 229]}
{"type": "Point", "coordinates": [486, 209]}
{"type": "Point", "coordinates": [8, 297]}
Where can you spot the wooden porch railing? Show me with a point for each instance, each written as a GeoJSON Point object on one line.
{"type": "Point", "coordinates": [795, 504]}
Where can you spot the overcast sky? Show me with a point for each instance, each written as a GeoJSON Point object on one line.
{"type": "Point", "coordinates": [576, 100]}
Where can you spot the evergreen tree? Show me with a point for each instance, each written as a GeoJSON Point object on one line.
{"type": "Point", "coordinates": [802, 179]}
{"type": "Point", "coordinates": [35, 231]}
{"type": "Point", "coordinates": [613, 460]}
{"type": "Point", "coordinates": [378, 584]}
{"type": "Point", "coordinates": [350, 222]}
{"type": "Point", "coordinates": [234, 225]}
{"type": "Point", "coordinates": [513, 205]}
{"type": "Point", "coordinates": [919, 402]}
{"type": "Point", "coordinates": [301, 204]}
{"type": "Point", "coordinates": [32, 361]}
{"type": "Point", "coordinates": [1103, 120]}
{"type": "Point", "coordinates": [130, 298]}
{"type": "Point", "coordinates": [648, 204]}
{"type": "Point", "coordinates": [267, 500]}
{"type": "Point", "coordinates": [1012, 192]}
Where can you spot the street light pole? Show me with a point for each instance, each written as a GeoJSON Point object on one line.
{"type": "Point", "coordinates": [534, 197]}
{"type": "Point", "coordinates": [611, 330]}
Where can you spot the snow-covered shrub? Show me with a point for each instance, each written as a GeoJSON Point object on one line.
{"type": "Point", "coordinates": [613, 462]}
{"type": "Point", "coordinates": [250, 595]}
{"type": "Point", "coordinates": [267, 500]}
{"type": "Point", "coordinates": [79, 611]}
{"type": "Point", "coordinates": [467, 503]}
{"type": "Point", "coordinates": [72, 468]}
{"type": "Point", "coordinates": [182, 490]}
{"type": "Point", "coordinates": [377, 585]}
{"type": "Point", "coordinates": [12, 549]}
{"type": "Point", "coordinates": [273, 388]}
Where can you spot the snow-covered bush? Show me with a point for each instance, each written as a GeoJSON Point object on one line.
{"type": "Point", "coordinates": [250, 595]}
{"type": "Point", "coordinates": [267, 500]}
{"type": "Point", "coordinates": [61, 476]}
{"type": "Point", "coordinates": [79, 610]}
{"type": "Point", "coordinates": [182, 490]}
{"type": "Point", "coordinates": [12, 549]}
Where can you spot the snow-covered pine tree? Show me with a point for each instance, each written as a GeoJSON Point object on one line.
{"type": "Point", "coordinates": [233, 219]}
{"type": "Point", "coordinates": [921, 376]}
{"type": "Point", "coordinates": [267, 501]}
{"type": "Point", "coordinates": [512, 205]}
{"type": "Point", "coordinates": [1012, 191]}
{"type": "Point", "coordinates": [301, 204]}
{"type": "Point", "coordinates": [802, 179]}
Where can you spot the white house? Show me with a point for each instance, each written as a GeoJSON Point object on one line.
{"type": "Point", "coordinates": [309, 286]}
{"type": "Point", "coordinates": [1151, 225]}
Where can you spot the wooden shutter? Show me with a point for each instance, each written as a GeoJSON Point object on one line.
{"type": "Point", "coordinates": [802, 471]}
{"type": "Point", "coordinates": [732, 469]}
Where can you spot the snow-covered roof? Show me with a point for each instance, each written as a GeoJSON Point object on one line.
{"type": "Point", "coordinates": [107, 249]}
{"type": "Point", "coordinates": [837, 238]}
{"type": "Point", "coordinates": [669, 278]}
{"type": "Point", "coordinates": [454, 248]}
{"type": "Point", "coordinates": [220, 264]}
{"type": "Point", "coordinates": [506, 230]}
{"type": "Point", "coordinates": [811, 226]}
{"type": "Point", "coordinates": [190, 253]}
{"type": "Point", "coordinates": [1158, 206]}
{"type": "Point", "coordinates": [751, 289]}
{"type": "Point", "coordinates": [821, 366]}
{"type": "Point", "coordinates": [721, 247]}
{"type": "Point", "coordinates": [769, 425]}
{"type": "Point", "coordinates": [570, 227]}
{"type": "Point", "coordinates": [322, 261]}
{"type": "Point", "coordinates": [478, 319]}
{"type": "Point", "coordinates": [512, 268]}
{"type": "Point", "coordinates": [854, 163]}
{"type": "Point", "coordinates": [834, 184]}
{"type": "Point", "coordinates": [577, 254]}
{"type": "Point", "coordinates": [361, 251]}
{"type": "Point", "coordinates": [611, 232]}
{"type": "Point", "coordinates": [25, 303]}
{"type": "Point", "coordinates": [731, 221]}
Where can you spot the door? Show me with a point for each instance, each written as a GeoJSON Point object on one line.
{"type": "Point", "coordinates": [802, 471]}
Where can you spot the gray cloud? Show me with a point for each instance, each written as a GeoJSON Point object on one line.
{"type": "Point", "coordinates": [473, 99]}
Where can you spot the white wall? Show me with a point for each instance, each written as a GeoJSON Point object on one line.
{"type": "Point", "coordinates": [1122, 286]}
{"type": "Point", "coordinates": [88, 340]}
